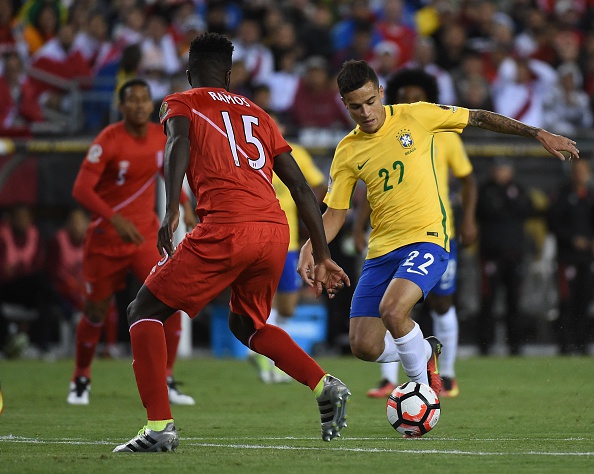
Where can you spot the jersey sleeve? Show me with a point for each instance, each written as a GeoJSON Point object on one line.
{"type": "Point", "coordinates": [439, 118]}
{"type": "Point", "coordinates": [458, 160]}
{"type": "Point", "coordinates": [89, 174]}
{"type": "Point", "coordinates": [341, 183]}
{"type": "Point", "coordinates": [174, 105]}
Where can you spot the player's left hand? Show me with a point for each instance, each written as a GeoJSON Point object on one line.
{"type": "Point", "coordinates": [468, 232]}
{"type": "Point", "coordinates": [190, 219]}
{"type": "Point", "coordinates": [166, 231]}
{"type": "Point", "coordinates": [555, 144]}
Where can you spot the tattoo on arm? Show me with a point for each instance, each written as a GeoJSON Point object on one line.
{"type": "Point", "coordinates": [500, 123]}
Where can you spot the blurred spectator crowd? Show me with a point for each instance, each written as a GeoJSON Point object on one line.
{"type": "Point", "coordinates": [62, 60]}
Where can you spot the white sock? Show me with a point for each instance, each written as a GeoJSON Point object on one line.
{"type": "Point", "coordinates": [390, 372]}
{"type": "Point", "coordinates": [445, 328]}
{"type": "Point", "coordinates": [277, 320]}
{"type": "Point", "coordinates": [390, 353]}
{"type": "Point", "coordinates": [273, 317]}
{"type": "Point", "coordinates": [412, 351]}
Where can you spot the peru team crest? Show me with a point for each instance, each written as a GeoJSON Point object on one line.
{"type": "Point", "coordinates": [164, 111]}
{"type": "Point", "coordinates": [405, 139]}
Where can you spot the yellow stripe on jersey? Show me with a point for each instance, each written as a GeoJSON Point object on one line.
{"type": "Point", "coordinates": [397, 165]}
{"type": "Point", "coordinates": [444, 222]}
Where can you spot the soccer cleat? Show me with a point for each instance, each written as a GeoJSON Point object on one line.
{"type": "Point", "coordinates": [79, 391]}
{"type": "Point", "coordinates": [278, 376]}
{"type": "Point", "coordinates": [175, 396]}
{"type": "Point", "coordinates": [432, 369]}
{"type": "Point", "coordinates": [383, 390]}
{"type": "Point", "coordinates": [149, 441]}
{"type": "Point", "coordinates": [332, 405]}
{"type": "Point", "coordinates": [449, 387]}
{"type": "Point", "coordinates": [262, 364]}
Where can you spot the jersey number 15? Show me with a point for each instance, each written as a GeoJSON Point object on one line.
{"type": "Point", "coordinates": [248, 125]}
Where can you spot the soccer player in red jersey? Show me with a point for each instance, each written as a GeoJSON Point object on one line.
{"type": "Point", "coordinates": [228, 146]}
{"type": "Point", "coordinates": [117, 183]}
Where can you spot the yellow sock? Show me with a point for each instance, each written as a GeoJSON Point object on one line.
{"type": "Point", "coordinates": [157, 425]}
{"type": "Point", "coordinates": [319, 387]}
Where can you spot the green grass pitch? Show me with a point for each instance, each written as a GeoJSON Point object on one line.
{"type": "Point", "coordinates": [513, 415]}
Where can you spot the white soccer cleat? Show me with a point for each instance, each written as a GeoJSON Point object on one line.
{"type": "Point", "coordinates": [278, 376]}
{"type": "Point", "coordinates": [175, 396]}
{"type": "Point", "coordinates": [79, 391]}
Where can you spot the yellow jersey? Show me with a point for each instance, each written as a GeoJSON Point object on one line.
{"type": "Point", "coordinates": [450, 155]}
{"type": "Point", "coordinates": [398, 165]}
{"type": "Point", "coordinates": [314, 178]}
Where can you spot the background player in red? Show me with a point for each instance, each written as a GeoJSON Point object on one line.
{"type": "Point", "coordinates": [228, 146]}
{"type": "Point", "coordinates": [116, 182]}
{"type": "Point", "coordinates": [64, 265]}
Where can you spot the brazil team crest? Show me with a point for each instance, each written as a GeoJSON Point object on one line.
{"type": "Point", "coordinates": [405, 139]}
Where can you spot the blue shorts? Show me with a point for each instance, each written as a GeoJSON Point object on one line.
{"type": "Point", "coordinates": [447, 284]}
{"type": "Point", "coordinates": [290, 280]}
{"type": "Point", "coordinates": [422, 263]}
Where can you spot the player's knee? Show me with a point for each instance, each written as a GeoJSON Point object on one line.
{"type": "Point", "coordinates": [95, 311]}
{"type": "Point", "coordinates": [392, 315]}
{"type": "Point", "coordinates": [241, 327]}
{"type": "Point", "coordinates": [131, 313]}
{"type": "Point", "coordinates": [363, 348]}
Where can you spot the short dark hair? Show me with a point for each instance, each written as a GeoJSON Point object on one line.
{"type": "Point", "coordinates": [411, 77]}
{"type": "Point", "coordinates": [131, 83]}
{"type": "Point", "coordinates": [355, 74]}
{"type": "Point", "coordinates": [210, 51]}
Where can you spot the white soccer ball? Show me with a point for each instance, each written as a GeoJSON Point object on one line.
{"type": "Point", "coordinates": [413, 409]}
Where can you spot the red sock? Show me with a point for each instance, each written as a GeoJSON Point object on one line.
{"type": "Point", "coordinates": [149, 352]}
{"type": "Point", "coordinates": [172, 329]}
{"type": "Point", "coordinates": [277, 345]}
{"type": "Point", "coordinates": [87, 337]}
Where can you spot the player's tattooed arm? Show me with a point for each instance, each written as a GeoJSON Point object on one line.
{"type": "Point", "coordinates": [553, 143]}
{"type": "Point", "coordinates": [500, 123]}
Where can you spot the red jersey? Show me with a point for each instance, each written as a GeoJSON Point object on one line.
{"type": "Point", "coordinates": [233, 143]}
{"type": "Point", "coordinates": [127, 168]}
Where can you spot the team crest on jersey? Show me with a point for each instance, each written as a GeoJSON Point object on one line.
{"type": "Point", "coordinates": [330, 182]}
{"type": "Point", "coordinates": [164, 111]}
{"type": "Point", "coordinates": [405, 139]}
{"type": "Point", "coordinates": [94, 153]}
{"type": "Point", "coordinates": [447, 107]}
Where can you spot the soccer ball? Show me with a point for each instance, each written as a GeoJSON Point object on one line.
{"type": "Point", "coordinates": [413, 409]}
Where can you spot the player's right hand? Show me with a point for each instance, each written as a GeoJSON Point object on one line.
{"type": "Point", "coordinates": [126, 229]}
{"type": "Point", "coordinates": [166, 231]}
{"type": "Point", "coordinates": [329, 275]}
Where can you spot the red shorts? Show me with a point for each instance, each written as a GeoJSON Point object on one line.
{"type": "Point", "coordinates": [104, 275]}
{"type": "Point", "coordinates": [248, 257]}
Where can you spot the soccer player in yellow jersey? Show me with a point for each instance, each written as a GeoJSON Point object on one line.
{"type": "Point", "coordinates": [392, 150]}
{"type": "Point", "coordinates": [287, 294]}
{"type": "Point", "coordinates": [405, 87]}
